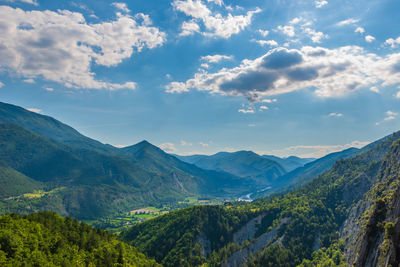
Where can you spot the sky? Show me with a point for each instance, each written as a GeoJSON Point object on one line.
{"type": "Point", "coordinates": [280, 77]}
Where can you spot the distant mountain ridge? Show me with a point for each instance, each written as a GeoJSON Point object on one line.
{"type": "Point", "coordinates": [290, 163]}
{"type": "Point", "coordinates": [243, 163]}
{"type": "Point", "coordinates": [303, 175]}
{"type": "Point", "coordinates": [246, 164]}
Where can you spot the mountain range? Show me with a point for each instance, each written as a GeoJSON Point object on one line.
{"type": "Point", "coordinates": [340, 210]}
{"type": "Point", "coordinates": [96, 180]}
{"type": "Point", "coordinates": [87, 179]}
{"type": "Point", "coordinates": [246, 164]}
{"type": "Point", "coordinates": [346, 216]}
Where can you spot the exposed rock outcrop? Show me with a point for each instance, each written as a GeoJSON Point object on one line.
{"type": "Point", "coordinates": [242, 256]}
{"type": "Point", "coordinates": [248, 231]}
{"type": "Point", "coordinates": [372, 229]}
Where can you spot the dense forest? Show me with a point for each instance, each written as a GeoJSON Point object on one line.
{"type": "Point", "coordinates": [46, 239]}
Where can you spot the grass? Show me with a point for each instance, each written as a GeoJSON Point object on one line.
{"type": "Point", "coordinates": [41, 193]}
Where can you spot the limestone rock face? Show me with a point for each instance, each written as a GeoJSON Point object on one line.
{"type": "Point", "coordinates": [372, 229]}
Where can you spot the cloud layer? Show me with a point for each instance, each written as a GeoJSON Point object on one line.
{"type": "Point", "coordinates": [61, 46]}
{"type": "Point", "coordinates": [215, 24]}
{"type": "Point", "coordinates": [329, 72]}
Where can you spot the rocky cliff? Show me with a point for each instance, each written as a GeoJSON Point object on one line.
{"type": "Point", "coordinates": [372, 229]}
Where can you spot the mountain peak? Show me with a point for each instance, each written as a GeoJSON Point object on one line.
{"type": "Point", "coordinates": [144, 143]}
{"type": "Point", "coordinates": [143, 147]}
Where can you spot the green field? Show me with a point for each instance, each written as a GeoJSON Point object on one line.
{"type": "Point", "coordinates": [123, 221]}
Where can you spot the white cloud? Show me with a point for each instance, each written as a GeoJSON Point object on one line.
{"type": "Point", "coordinates": [369, 38]}
{"type": "Point", "coordinates": [32, 2]}
{"type": "Point", "coordinates": [315, 36]}
{"type": "Point", "coordinates": [205, 65]}
{"type": "Point", "coordinates": [49, 89]}
{"type": "Point", "coordinates": [29, 81]}
{"type": "Point", "coordinates": [1, 84]}
{"type": "Point", "coordinates": [189, 28]}
{"type": "Point", "coordinates": [287, 30]}
{"type": "Point", "coordinates": [61, 46]}
{"type": "Point", "coordinates": [390, 115]}
{"type": "Point", "coordinates": [312, 151]}
{"type": "Point", "coordinates": [360, 30]}
{"type": "Point", "coordinates": [184, 143]}
{"type": "Point", "coordinates": [269, 100]}
{"type": "Point", "coordinates": [330, 72]}
{"type": "Point", "coordinates": [263, 108]}
{"type": "Point", "coordinates": [375, 89]}
{"type": "Point", "coordinates": [393, 42]}
{"type": "Point", "coordinates": [218, 2]}
{"type": "Point", "coordinates": [320, 3]}
{"type": "Point", "coordinates": [398, 95]}
{"type": "Point", "coordinates": [203, 144]}
{"type": "Point", "coordinates": [263, 33]}
{"type": "Point", "coordinates": [36, 110]}
{"type": "Point", "coordinates": [216, 58]}
{"type": "Point", "coordinates": [176, 87]}
{"type": "Point", "coordinates": [251, 125]}
{"type": "Point", "coordinates": [168, 147]}
{"type": "Point", "coordinates": [347, 22]}
{"type": "Point", "coordinates": [334, 114]}
{"type": "Point", "coordinates": [296, 20]}
{"type": "Point", "coordinates": [266, 42]}
{"type": "Point", "coordinates": [304, 27]}
{"type": "Point", "coordinates": [389, 118]}
{"type": "Point", "coordinates": [120, 146]}
{"type": "Point", "coordinates": [246, 111]}
{"type": "Point", "coordinates": [215, 24]}
{"type": "Point", "coordinates": [121, 6]}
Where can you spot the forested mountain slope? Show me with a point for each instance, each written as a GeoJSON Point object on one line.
{"type": "Point", "coordinates": [309, 171]}
{"type": "Point", "coordinates": [45, 239]}
{"type": "Point", "coordinates": [14, 183]}
{"type": "Point", "coordinates": [300, 227]}
{"type": "Point", "coordinates": [206, 181]}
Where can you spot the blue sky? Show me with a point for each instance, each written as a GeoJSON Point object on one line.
{"type": "Point", "coordinates": [200, 76]}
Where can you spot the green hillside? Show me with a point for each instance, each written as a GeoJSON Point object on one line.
{"type": "Point", "coordinates": [45, 239]}
{"type": "Point", "coordinates": [95, 184]}
{"type": "Point", "coordinates": [303, 175]}
{"type": "Point", "coordinates": [51, 128]}
{"type": "Point", "coordinates": [14, 183]}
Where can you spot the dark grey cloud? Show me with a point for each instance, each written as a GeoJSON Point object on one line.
{"type": "Point", "coordinates": [396, 67]}
{"type": "Point", "coordinates": [317, 53]}
{"type": "Point", "coordinates": [280, 59]}
{"type": "Point", "coordinates": [253, 80]}
{"type": "Point", "coordinates": [25, 26]}
{"type": "Point", "coordinates": [42, 42]}
{"type": "Point", "coordinates": [303, 74]}
{"type": "Point", "coordinates": [335, 68]}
